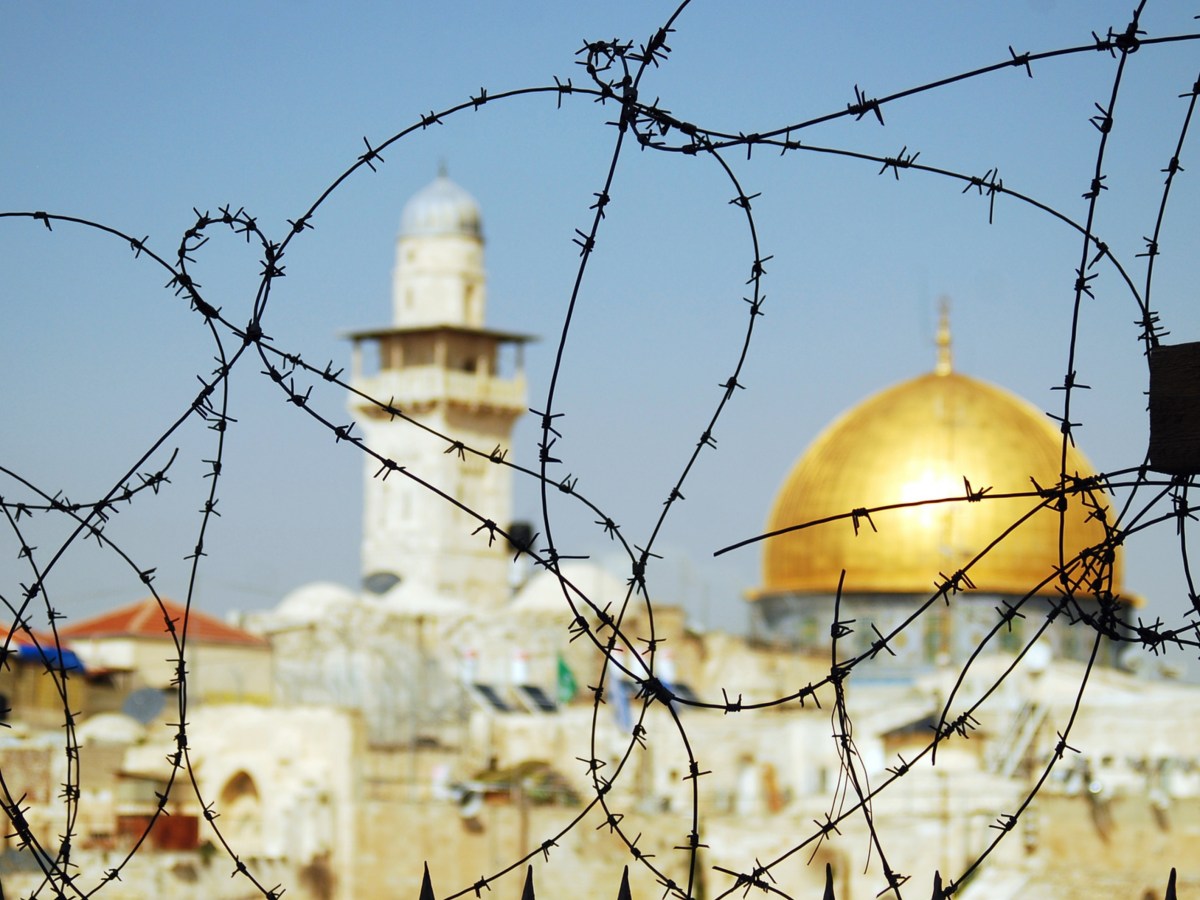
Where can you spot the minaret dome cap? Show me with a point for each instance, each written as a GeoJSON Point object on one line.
{"type": "Point", "coordinates": [441, 208]}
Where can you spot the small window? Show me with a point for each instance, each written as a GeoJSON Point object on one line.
{"type": "Point", "coordinates": [470, 299]}
{"type": "Point", "coordinates": [1010, 636]}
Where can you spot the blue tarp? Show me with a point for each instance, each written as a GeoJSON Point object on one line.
{"type": "Point", "coordinates": [49, 656]}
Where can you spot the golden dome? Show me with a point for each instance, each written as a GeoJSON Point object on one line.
{"type": "Point", "coordinates": [917, 441]}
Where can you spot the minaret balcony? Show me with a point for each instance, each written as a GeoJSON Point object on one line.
{"type": "Point", "coordinates": [427, 386]}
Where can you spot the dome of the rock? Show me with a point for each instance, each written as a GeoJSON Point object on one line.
{"type": "Point", "coordinates": [924, 440]}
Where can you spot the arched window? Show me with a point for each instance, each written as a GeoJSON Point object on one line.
{"type": "Point", "coordinates": [240, 815]}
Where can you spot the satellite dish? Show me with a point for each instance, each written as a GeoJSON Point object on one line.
{"type": "Point", "coordinates": [144, 704]}
{"type": "Point", "coordinates": [380, 582]}
{"type": "Point", "coordinates": [520, 536]}
{"type": "Point", "coordinates": [1131, 660]}
{"type": "Point", "coordinates": [1037, 659]}
{"type": "Point", "coordinates": [470, 804]}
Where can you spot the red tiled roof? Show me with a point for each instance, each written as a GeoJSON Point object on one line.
{"type": "Point", "coordinates": [23, 638]}
{"type": "Point", "coordinates": [145, 619]}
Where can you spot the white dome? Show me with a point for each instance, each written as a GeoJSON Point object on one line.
{"type": "Point", "coordinates": [110, 728]}
{"type": "Point", "coordinates": [411, 599]}
{"type": "Point", "coordinates": [441, 207]}
{"type": "Point", "coordinates": [544, 592]}
{"type": "Point", "coordinates": [314, 601]}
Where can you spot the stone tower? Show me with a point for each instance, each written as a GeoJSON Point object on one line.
{"type": "Point", "coordinates": [444, 371]}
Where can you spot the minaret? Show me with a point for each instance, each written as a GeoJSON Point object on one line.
{"type": "Point", "coordinates": [441, 367]}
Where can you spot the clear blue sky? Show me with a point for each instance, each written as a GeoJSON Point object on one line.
{"type": "Point", "coordinates": [134, 114]}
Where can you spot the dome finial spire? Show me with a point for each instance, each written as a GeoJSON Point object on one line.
{"type": "Point", "coordinates": [945, 358]}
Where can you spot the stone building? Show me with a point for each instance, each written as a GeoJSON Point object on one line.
{"type": "Point", "coordinates": [26, 694]}
{"type": "Point", "coordinates": [141, 642]}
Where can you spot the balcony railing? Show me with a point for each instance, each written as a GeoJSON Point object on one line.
{"type": "Point", "coordinates": [428, 384]}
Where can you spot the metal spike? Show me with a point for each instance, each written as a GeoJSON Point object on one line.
{"type": "Point", "coordinates": [623, 893]}
{"type": "Point", "coordinates": [829, 882]}
{"type": "Point", "coordinates": [527, 893]}
{"type": "Point", "coordinates": [426, 886]}
{"type": "Point", "coordinates": [1170, 894]}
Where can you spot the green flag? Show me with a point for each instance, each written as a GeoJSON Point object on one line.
{"type": "Point", "coordinates": [567, 685]}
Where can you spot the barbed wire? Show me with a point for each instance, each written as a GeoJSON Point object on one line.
{"type": "Point", "coordinates": [615, 72]}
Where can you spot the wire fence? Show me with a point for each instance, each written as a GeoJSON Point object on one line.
{"type": "Point", "coordinates": [614, 77]}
